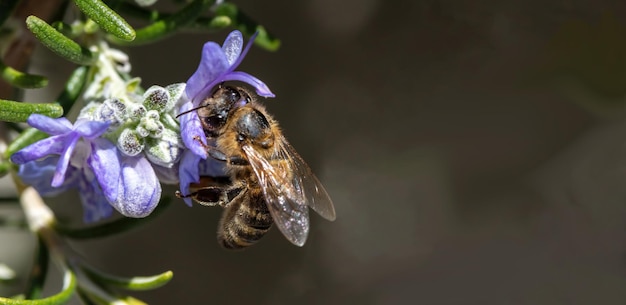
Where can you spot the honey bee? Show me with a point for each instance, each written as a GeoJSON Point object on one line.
{"type": "Point", "coordinates": [268, 182]}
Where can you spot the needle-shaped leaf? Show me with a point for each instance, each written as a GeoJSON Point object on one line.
{"type": "Point", "coordinates": [246, 25]}
{"type": "Point", "coordinates": [38, 272]}
{"type": "Point", "coordinates": [66, 29]}
{"type": "Point", "coordinates": [211, 23]}
{"type": "Point", "coordinates": [59, 43]}
{"type": "Point", "coordinates": [85, 297]}
{"type": "Point", "coordinates": [167, 26]}
{"type": "Point", "coordinates": [106, 18]}
{"type": "Point", "coordinates": [201, 23]}
{"type": "Point", "coordinates": [27, 137]}
{"type": "Point", "coordinates": [113, 227]}
{"type": "Point", "coordinates": [21, 79]}
{"type": "Point", "coordinates": [136, 11]}
{"type": "Point", "coordinates": [129, 283]}
{"type": "Point", "coordinates": [4, 169]}
{"type": "Point", "coordinates": [18, 112]}
{"type": "Point", "coordinates": [69, 285]}
{"type": "Point", "coordinates": [73, 87]}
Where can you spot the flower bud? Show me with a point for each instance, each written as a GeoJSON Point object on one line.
{"type": "Point", "coordinates": [157, 98]}
{"type": "Point", "coordinates": [130, 143]}
{"type": "Point", "coordinates": [164, 151]}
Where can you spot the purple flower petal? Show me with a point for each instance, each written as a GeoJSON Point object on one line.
{"type": "Point", "coordinates": [91, 129]}
{"type": "Point", "coordinates": [190, 127]}
{"type": "Point", "coordinates": [261, 87]}
{"type": "Point", "coordinates": [188, 172]}
{"type": "Point", "coordinates": [232, 46]}
{"type": "Point", "coordinates": [139, 189]}
{"type": "Point", "coordinates": [39, 175]}
{"type": "Point", "coordinates": [49, 125]}
{"type": "Point", "coordinates": [64, 160]}
{"type": "Point", "coordinates": [212, 65]}
{"type": "Point", "coordinates": [95, 205]}
{"type": "Point", "coordinates": [235, 64]}
{"type": "Point", "coordinates": [105, 163]}
{"type": "Point", "coordinates": [54, 145]}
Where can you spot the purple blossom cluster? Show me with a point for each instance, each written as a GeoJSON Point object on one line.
{"type": "Point", "coordinates": [115, 169]}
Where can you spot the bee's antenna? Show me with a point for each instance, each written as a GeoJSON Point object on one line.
{"type": "Point", "coordinates": [220, 86]}
{"type": "Point", "coordinates": [190, 110]}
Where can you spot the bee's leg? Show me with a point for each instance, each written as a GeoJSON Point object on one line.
{"type": "Point", "coordinates": [220, 156]}
{"type": "Point", "coordinates": [236, 190]}
{"type": "Point", "coordinates": [212, 151]}
{"type": "Point", "coordinates": [209, 196]}
{"type": "Point", "coordinates": [217, 194]}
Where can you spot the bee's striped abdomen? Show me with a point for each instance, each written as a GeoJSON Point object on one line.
{"type": "Point", "coordinates": [244, 222]}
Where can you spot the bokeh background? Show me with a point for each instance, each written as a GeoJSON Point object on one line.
{"type": "Point", "coordinates": [475, 152]}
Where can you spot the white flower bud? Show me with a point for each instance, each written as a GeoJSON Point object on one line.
{"type": "Point", "coordinates": [166, 150]}
{"type": "Point", "coordinates": [157, 98]}
{"type": "Point", "coordinates": [130, 143]}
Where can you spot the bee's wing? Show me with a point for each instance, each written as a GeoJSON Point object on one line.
{"type": "Point", "coordinates": [310, 188]}
{"type": "Point", "coordinates": [285, 203]}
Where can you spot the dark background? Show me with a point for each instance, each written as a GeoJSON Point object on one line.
{"type": "Point", "coordinates": [474, 151]}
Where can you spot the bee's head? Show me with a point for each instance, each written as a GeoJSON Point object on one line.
{"type": "Point", "coordinates": [214, 110]}
{"type": "Point", "coordinates": [253, 127]}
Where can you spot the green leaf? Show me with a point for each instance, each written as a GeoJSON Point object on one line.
{"type": "Point", "coordinates": [139, 12]}
{"type": "Point", "coordinates": [73, 87]}
{"type": "Point", "coordinates": [21, 79]}
{"type": "Point", "coordinates": [66, 29]}
{"type": "Point", "coordinates": [113, 227]}
{"type": "Point", "coordinates": [130, 283]}
{"type": "Point", "coordinates": [59, 43]}
{"type": "Point", "coordinates": [4, 168]}
{"type": "Point", "coordinates": [92, 298]}
{"type": "Point", "coordinates": [18, 112]}
{"type": "Point", "coordinates": [211, 24]}
{"type": "Point", "coordinates": [37, 276]}
{"type": "Point", "coordinates": [246, 25]}
{"type": "Point", "coordinates": [85, 297]}
{"type": "Point", "coordinates": [69, 285]}
{"type": "Point", "coordinates": [106, 18]}
{"type": "Point", "coordinates": [168, 26]}
{"type": "Point", "coordinates": [27, 137]}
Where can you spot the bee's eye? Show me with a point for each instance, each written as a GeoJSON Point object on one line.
{"type": "Point", "coordinates": [233, 96]}
{"type": "Point", "coordinates": [214, 121]}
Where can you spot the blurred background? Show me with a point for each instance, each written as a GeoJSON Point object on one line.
{"type": "Point", "coordinates": [475, 152]}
